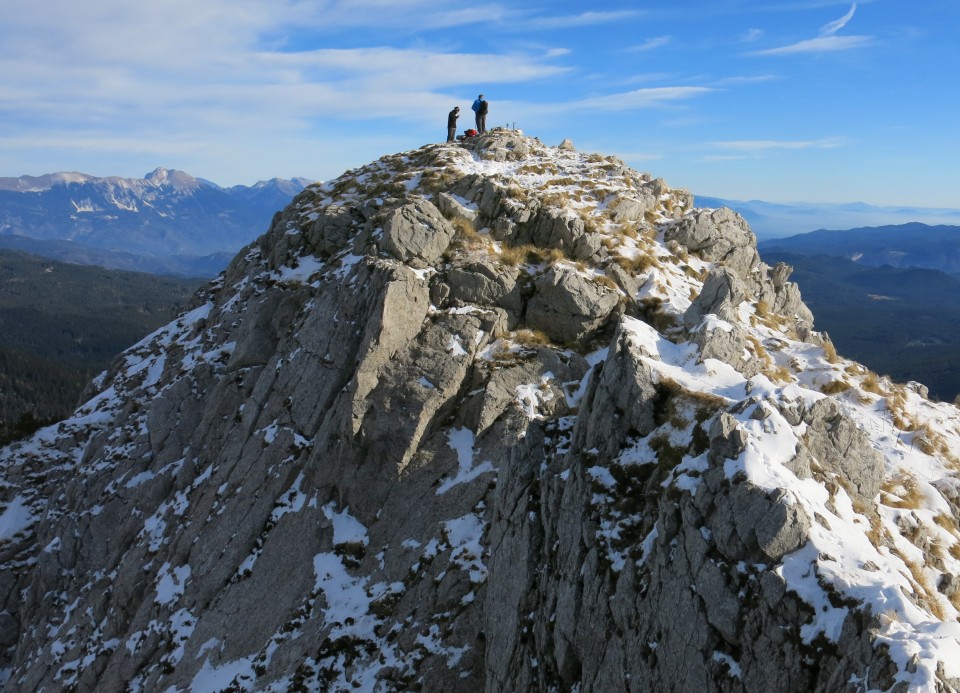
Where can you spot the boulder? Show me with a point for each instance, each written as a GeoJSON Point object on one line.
{"type": "Point", "coordinates": [721, 295]}
{"type": "Point", "coordinates": [724, 342]}
{"type": "Point", "coordinates": [634, 207]}
{"type": "Point", "coordinates": [487, 283]}
{"type": "Point", "coordinates": [332, 230]}
{"type": "Point", "coordinates": [416, 230]}
{"type": "Point", "coordinates": [562, 230]}
{"type": "Point", "coordinates": [501, 145]}
{"type": "Point", "coordinates": [569, 307]}
{"type": "Point", "coordinates": [718, 235]}
{"type": "Point", "coordinates": [840, 447]}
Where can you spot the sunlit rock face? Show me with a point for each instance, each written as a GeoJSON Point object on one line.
{"type": "Point", "coordinates": [492, 415]}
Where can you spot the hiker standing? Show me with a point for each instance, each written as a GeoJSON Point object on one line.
{"type": "Point", "coordinates": [452, 123]}
{"type": "Point", "coordinates": [480, 107]}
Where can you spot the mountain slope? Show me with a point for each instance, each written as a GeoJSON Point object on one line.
{"type": "Point", "coordinates": [494, 415]}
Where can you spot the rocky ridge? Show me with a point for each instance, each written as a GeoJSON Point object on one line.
{"type": "Point", "coordinates": [494, 415]}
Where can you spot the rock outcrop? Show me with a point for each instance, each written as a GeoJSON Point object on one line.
{"type": "Point", "coordinates": [491, 415]}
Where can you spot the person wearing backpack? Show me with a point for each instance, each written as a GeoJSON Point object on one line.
{"type": "Point", "coordinates": [480, 107]}
{"type": "Point", "coordinates": [452, 123]}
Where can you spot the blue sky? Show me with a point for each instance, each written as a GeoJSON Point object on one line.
{"type": "Point", "coordinates": [779, 100]}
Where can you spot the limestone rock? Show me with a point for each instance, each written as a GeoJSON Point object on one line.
{"type": "Point", "coordinates": [721, 295]}
{"type": "Point", "coordinates": [839, 446]}
{"type": "Point", "coordinates": [719, 235]}
{"type": "Point", "coordinates": [559, 229]}
{"type": "Point", "coordinates": [486, 283]}
{"type": "Point", "coordinates": [416, 230]}
{"type": "Point", "coordinates": [569, 307]}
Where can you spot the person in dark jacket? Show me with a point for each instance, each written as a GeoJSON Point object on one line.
{"type": "Point", "coordinates": [452, 123]}
{"type": "Point", "coordinates": [480, 107]}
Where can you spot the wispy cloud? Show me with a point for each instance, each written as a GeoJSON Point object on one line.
{"type": "Point", "coordinates": [741, 81]}
{"type": "Point", "coordinates": [639, 98]}
{"type": "Point", "coordinates": [650, 44]}
{"type": "Point", "coordinates": [762, 146]}
{"type": "Point", "coordinates": [833, 27]}
{"type": "Point", "coordinates": [582, 19]}
{"type": "Point", "coordinates": [821, 44]}
{"type": "Point", "coordinates": [827, 42]}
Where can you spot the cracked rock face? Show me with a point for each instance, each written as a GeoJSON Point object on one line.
{"type": "Point", "coordinates": [493, 416]}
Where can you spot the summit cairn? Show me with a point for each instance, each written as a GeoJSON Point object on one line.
{"type": "Point", "coordinates": [493, 415]}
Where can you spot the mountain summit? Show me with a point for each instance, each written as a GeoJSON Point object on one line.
{"type": "Point", "coordinates": [491, 415]}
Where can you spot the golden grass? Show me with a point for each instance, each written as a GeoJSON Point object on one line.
{"type": "Point", "coordinates": [835, 387]}
{"type": "Point", "coordinates": [606, 281]}
{"type": "Point", "coordinates": [636, 265]}
{"type": "Point", "coordinates": [530, 337]}
{"type": "Point", "coordinates": [779, 374]}
{"type": "Point", "coordinates": [871, 383]}
{"type": "Point", "coordinates": [514, 255]}
{"type": "Point", "coordinates": [515, 192]}
{"type": "Point", "coordinates": [927, 597]}
{"type": "Point", "coordinates": [830, 352]}
{"type": "Point", "coordinates": [902, 492]}
{"type": "Point", "coordinates": [896, 405]}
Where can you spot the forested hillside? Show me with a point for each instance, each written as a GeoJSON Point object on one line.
{"type": "Point", "coordinates": [61, 324]}
{"type": "Point", "coordinates": [904, 323]}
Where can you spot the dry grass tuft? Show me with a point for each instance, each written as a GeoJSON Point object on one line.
{"type": "Point", "coordinates": [515, 255]}
{"type": "Point", "coordinates": [539, 169]}
{"type": "Point", "coordinates": [927, 597]}
{"type": "Point", "coordinates": [902, 492]}
{"type": "Point", "coordinates": [871, 383]}
{"type": "Point", "coordinates": [555, 199]}
{"type": "Point", "coordinates": [515, 192]}
{"type": "Point", "coordinates": [877, 534]}
{"type": "Point", "coordinates": [606, 281]}
{"type": "Point", "coordinates": [897, 406]}
{"type": "Point", "coordinates": [636, 265]}
{"type": "Point", "coordinates": [830, 352]}
{"type": "Point", "coordinates": [835, 387]}
{"type": "Point", "coordinates": [528, 337]}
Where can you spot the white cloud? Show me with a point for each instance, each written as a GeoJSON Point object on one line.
{"type": "Point", "coordinates": [650, 44]}
{"type": "Point", "coordinates": [761, 146]}
{"type": "Point", "coordinates": [822, 44]}
{"type": "Point", "coordinates": [827, 42]}
{"type": "Point", "coordinates": [582, 19]}
{"type": "Point", "coordinates": [739, 81]}
{"type": "Point", "coordinates": [638, 98]}
{"type": "Point", "coordinates": [833, 27]}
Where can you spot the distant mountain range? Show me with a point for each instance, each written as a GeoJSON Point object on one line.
{"type": "Point", "coordinates": [167, 222]}
{"type": "Point", "coordinates": [901, 246]}
{"type": "Point", "coordinates": [889, 296]}
{"type": "Point", "coordinates": [771, 219]}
